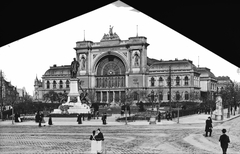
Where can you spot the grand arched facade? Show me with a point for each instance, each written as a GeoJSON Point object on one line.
{"type": "Point", "coordinates": [113, 68]}
{"type": "Point", "coordinates": [110, 79]}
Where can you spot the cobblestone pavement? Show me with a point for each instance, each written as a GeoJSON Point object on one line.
{"type": "Point", "coordinates": [161, 139]}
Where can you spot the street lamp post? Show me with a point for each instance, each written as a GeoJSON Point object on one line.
{"type": "Point", "coordinates": [125, 103]}
{"type": "Point", "coordinates": [152, 98]}
{"type": "Point", "coordinates": [1, 98]}
{"type": "Point", "coordinates": [178, 105]}
{"type": "Point", "coordinates": [170, 84]}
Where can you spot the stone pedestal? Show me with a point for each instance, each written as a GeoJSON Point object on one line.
{"type": "Point", "coordinates": [72, 107]}
{"type": "Point", "coordinates": [152, 120]}
{"type": "Point", "coordinates": [218, 117]}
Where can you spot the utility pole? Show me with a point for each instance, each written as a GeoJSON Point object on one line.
{"type": "Point", "coordinates": [170, 84]}
{"type": "Point", "coordinates": [1, 98]}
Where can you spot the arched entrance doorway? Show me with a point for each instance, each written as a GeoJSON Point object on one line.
{"type": "Point", "coordinates": [110, 79]}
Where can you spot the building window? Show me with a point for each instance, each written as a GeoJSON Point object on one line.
{"type": "Point", "coordinates": [186, 95]}
{"type": "Point", "coordinates": [48, 84]}
{"type": "Point", "coordinates": [67, 84]}
{"type": "Point", "coordinates": [177, 81]}
{"type": "Point", "coordinates": [160, 81]}
{"type": "Point", "coordinates": [60, 84]}
{"type": "Point", "coordinates": [186, 81]}
{"type": "Point", "coordinates": [152, 81]}
{"type": "Point", "coordinates": [177, 96]}
{"type": "Point", "coordinates": [54, 84]}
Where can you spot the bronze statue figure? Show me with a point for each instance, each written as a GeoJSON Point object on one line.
{"type": "Point", "coordinates": [74, 68]}
{"type": "Point", "coordinates": [111, 31]}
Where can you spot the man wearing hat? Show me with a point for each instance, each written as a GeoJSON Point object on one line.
{"type": "Point", "coordinates": [99, 138]}
{"type": "Point", "coordinates": [224, 140]}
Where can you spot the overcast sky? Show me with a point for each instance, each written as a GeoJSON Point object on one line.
{"type": "Point", "coordinates": [23, 60]}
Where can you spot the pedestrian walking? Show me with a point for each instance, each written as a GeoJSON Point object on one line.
{"type": "Point", "coordinates": [50, 120]}
{"type": "Point", "coordinates": [93, 142]}
{"type": "Point", "coordinates": [104, 118]}
{"type": "Point", "coordinates": [40, 119]}
{"type": "Point", "coordinates": [99, 138]}
{"type": "Point", "coordinates": [159, 116]}
{"type": "Point", "coordinates": [89, 116]}
{"type": "Point", "coordinates": [37, 117]}
{"type": "Point", "coordinates": [79, 118]}
{"type": "Point", "coordinates": [224, 140]}
{"type": "Point", "coordinates": [208, 127]}
{"type": "Point", "coordinates": [168, 116]}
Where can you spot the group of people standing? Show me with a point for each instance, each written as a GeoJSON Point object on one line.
{"type": "Point", "coordinates": [97, 139]}
{"type": "Point", "coordinates": [39, 118]}
{"type": "Point", "coordinates": [224, 139]}
{"type": "Point", "coordinates": [80, 118]}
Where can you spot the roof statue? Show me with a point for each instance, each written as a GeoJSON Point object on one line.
{"type": "Point", "coordinates": [111, 35]}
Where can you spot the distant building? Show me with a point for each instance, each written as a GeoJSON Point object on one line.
{"type": "Point", "coordinates": [112, 67]}
{"type": "Point", "coordinates": [185, 80]}
{"type": "Point", "coordinates": [223, 81]}
{"type": "Point", "coordinates": [208, 83]}
{"type": "Point", "coordinates": [22, 93]}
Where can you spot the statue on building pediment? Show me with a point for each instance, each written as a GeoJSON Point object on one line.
{"type": "Point", "coordinates": [82, 62]}
{"type": "Point", "coordinates": [111, 30]}
{"type": "Point", "coordinates": [111, 35]}
{"type": "Point", "coordinates": [136, 59]}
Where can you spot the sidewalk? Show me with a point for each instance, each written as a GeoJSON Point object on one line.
{"type": "Point", "coordinates": [201, 118]}
{"type": "Point", "coordinates": [191, 119]}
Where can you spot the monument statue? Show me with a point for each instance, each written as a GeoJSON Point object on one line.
{"type": "Point", "coordinates": [111, 31]}
{"type": "Point", "coordinates": [219, 106]}
{"type": "Point", "coordinates": [74, 68]}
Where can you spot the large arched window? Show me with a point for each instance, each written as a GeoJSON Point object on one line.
{"type": "Point", "coordinates": [48, 84]}
{"type": "Point", "coordinates": [110, 72]}
{"type": "Point", "coordinates": [67, 84]}
{"type": "Point", "coordinates": [152, 81]}
{"type": "Point", "coordinates": [186, 95]}
{"type": "Point", "coordinates": [54, 84]}
{"type": "Point", "coordinates": [186, 81]}
{"type": "Point", "coordinates": [177, 81]}
{"type": "Point", "coordinates": [60, 84]}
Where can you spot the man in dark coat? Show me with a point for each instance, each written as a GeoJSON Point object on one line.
{"type": "Point", "coordinates": [79, 118]}
{"type": "Point", "coordinates": [224, 140]}
{"type": "Point", "coordinates": [159, 116]}
{"type": "Point", "coordinates": [104, 118]}
{"type": "Point", "coordinates": [50, 120]}
{"type": "Point", "coordinates": [16, 117]}
{"type": "Point", "coordinates": [208, 126]}
{"type": "Point", "coordinates": [37, 116]}
{"type": "Point", "coordinates": [40, 119]}
{"type": "Point", "coordinates": [99, 138]}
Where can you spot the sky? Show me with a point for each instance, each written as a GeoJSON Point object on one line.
{"type": "Point", "coordinates": [23, 60]}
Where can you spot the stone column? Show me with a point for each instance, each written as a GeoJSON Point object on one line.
{"type": "Point", "coordinates": [108, 96]}
{"type": "Point", "coordinates": [113, 96]}
{"type": "Point", "coordinates": [101, 97]}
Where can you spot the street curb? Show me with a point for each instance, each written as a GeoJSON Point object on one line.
{"type": "Point", "coordinates": [236, 116]}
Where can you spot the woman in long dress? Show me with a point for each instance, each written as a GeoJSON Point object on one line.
{"type": "Point", "coordinates": [93, 142]}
